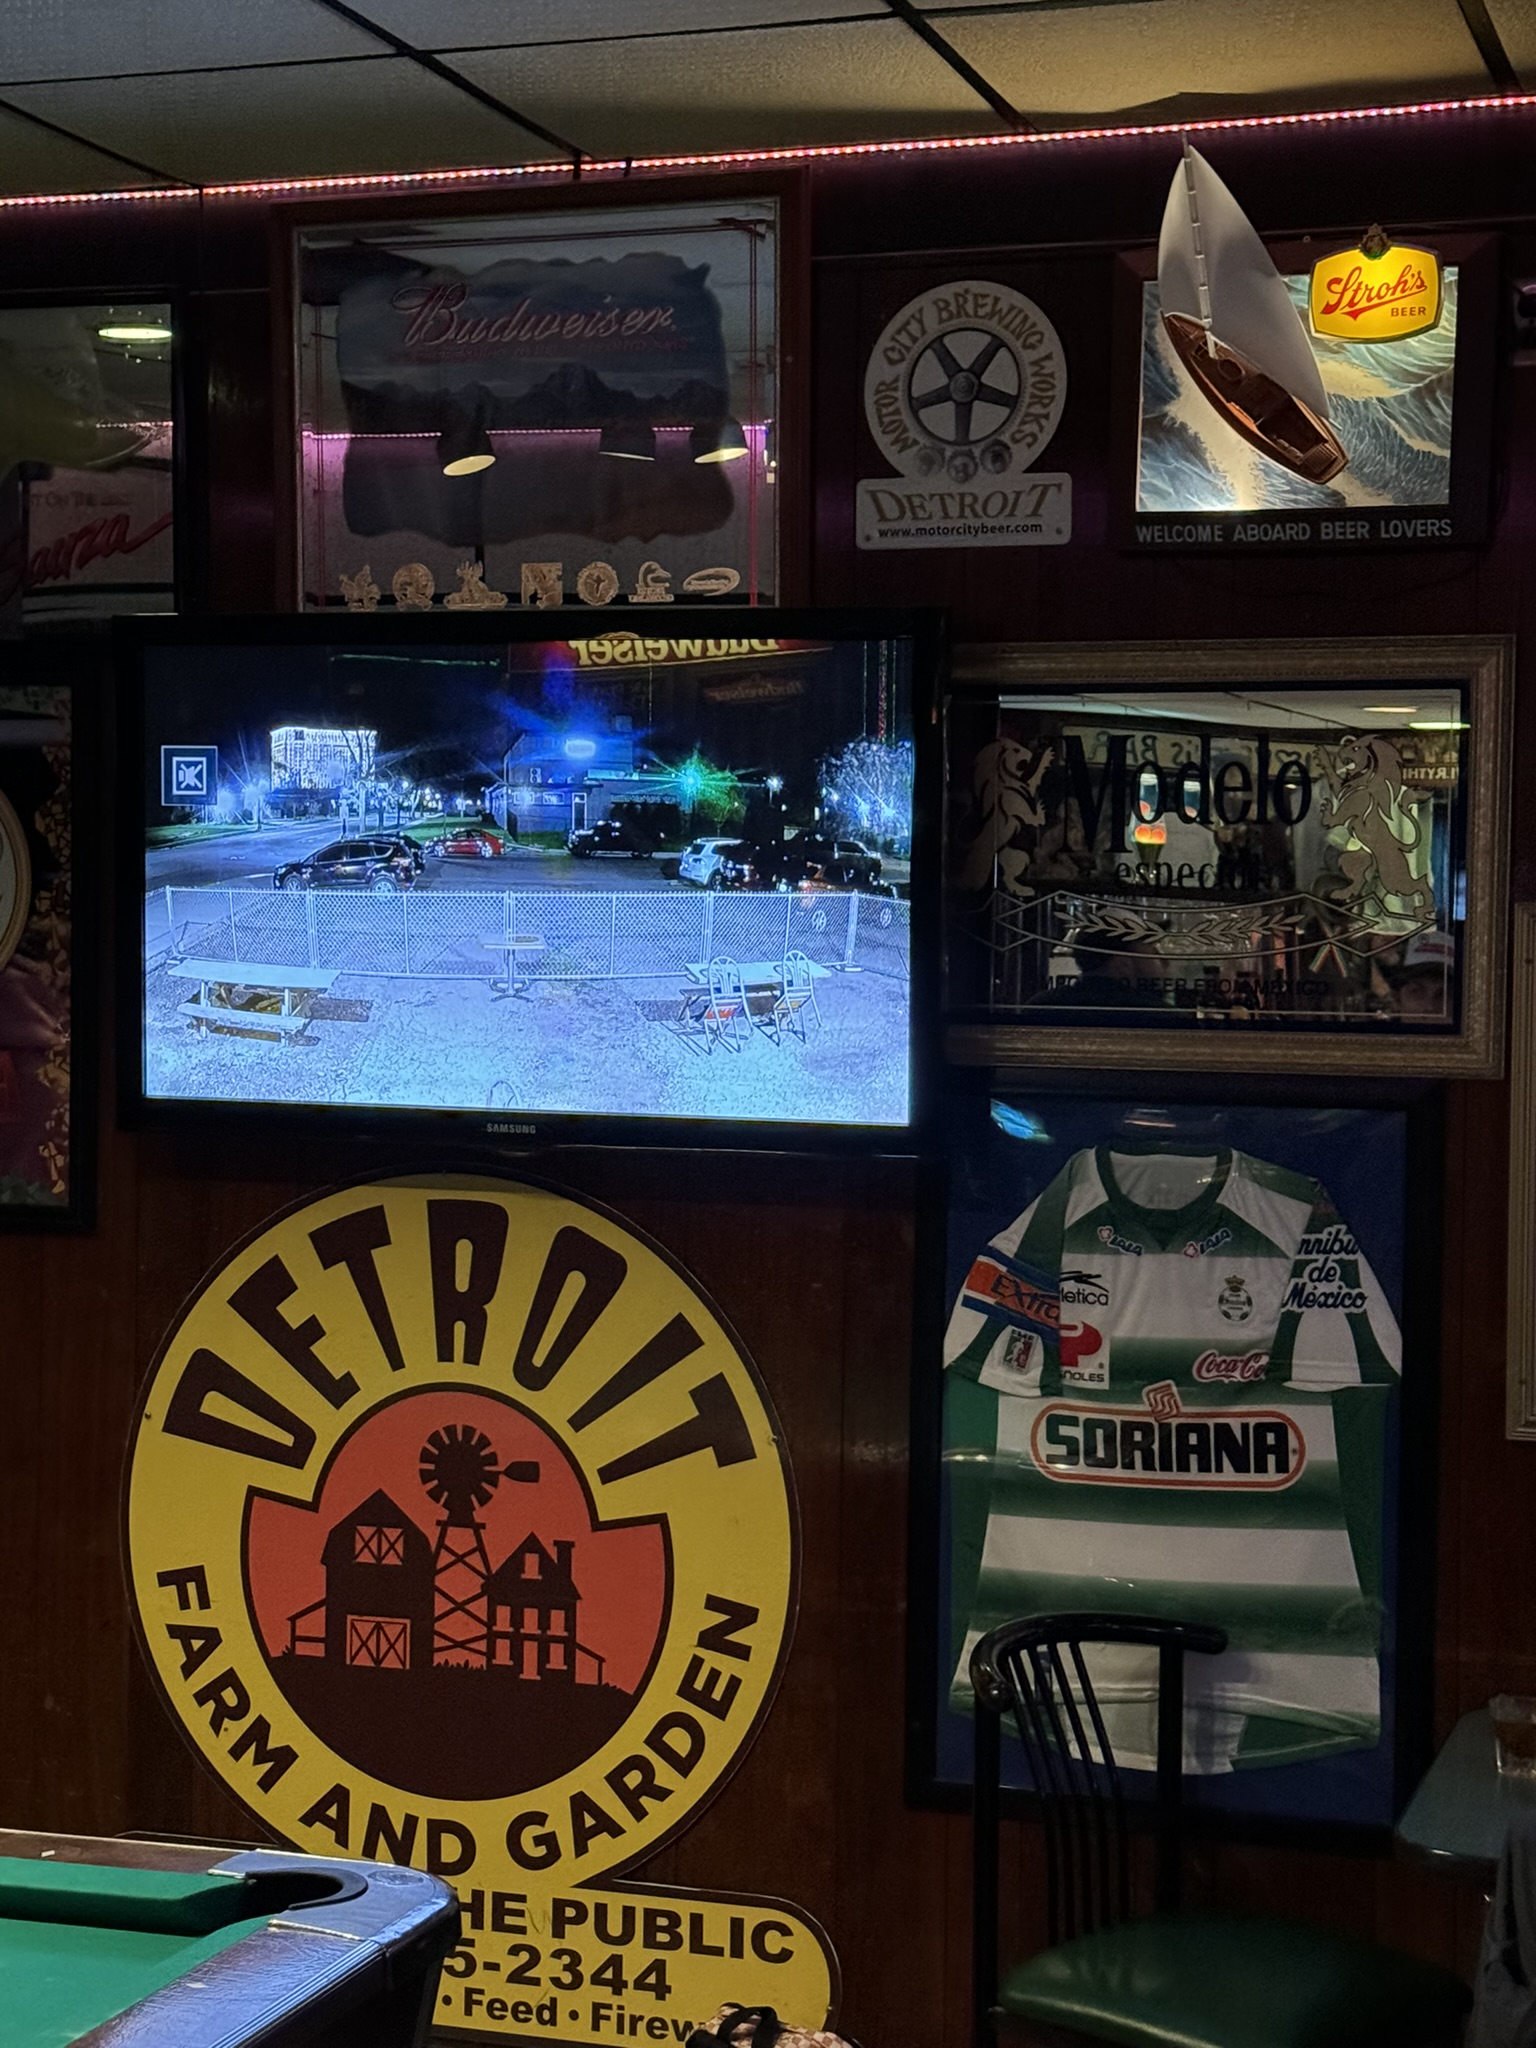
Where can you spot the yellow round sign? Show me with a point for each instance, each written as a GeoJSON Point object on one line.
{"type": "Point", "coordinates": [461, 1533]}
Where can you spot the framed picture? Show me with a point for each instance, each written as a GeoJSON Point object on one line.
{"type": "Point", "coordinates": [87, 514]}
{"type": "Point", "coordinates": [45, 1146]}
{"type": "Point", "coordinates": [1401, 458]}
{"type": "Point", "coordinates": [1263, 856]}
{"type": "Point", "coordinates": [575, 401]}
{"type": "Point", "coordinates": [1171, 1363]}
{"type": "Point", "coordinates": [1520, 1413]}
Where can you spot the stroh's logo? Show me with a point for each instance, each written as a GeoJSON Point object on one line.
{"type": "Point", "coordinates": [1377, 292]}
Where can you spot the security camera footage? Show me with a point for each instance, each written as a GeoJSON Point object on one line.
{"type": "Point", "coordinates": [615, 877]}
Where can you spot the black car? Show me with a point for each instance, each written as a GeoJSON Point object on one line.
{"type": "Point", "coordinates": [609, 835]}
{"type": "Point", "coordinates": [840, 863]}
{"type": "Point", "coordinates": [383, 865]}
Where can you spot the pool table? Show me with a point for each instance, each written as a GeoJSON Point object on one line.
{"type": "Point", "coordinates": [135, 1944]}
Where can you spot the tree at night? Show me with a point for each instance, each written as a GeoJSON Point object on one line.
{"type": "Point", "coordinates": [867, 790]}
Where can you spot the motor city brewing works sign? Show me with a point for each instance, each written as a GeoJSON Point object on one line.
{"type": "Point", "coordinates": [461, 1535]}
{"type": "Point", "coordinates": [963, 391]}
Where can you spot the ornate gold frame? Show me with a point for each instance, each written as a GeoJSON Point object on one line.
{"type": "Point", "coordinates": [1484, 664]}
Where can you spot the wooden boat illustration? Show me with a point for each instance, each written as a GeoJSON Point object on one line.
{"type": "Point", "coordinates": [1234, 328]}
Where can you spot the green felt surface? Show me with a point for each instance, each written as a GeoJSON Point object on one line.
{"type": "Point", "coordinates": [81, 1942]}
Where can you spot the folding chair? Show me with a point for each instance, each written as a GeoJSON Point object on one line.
{"type": "Point", "coordinates": [797, 995]}
{"type": "Point", "coordinates": [721, 1015]}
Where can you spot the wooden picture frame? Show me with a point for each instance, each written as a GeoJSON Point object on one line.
{"type": "Point", "coordinates": [47, 918]}
{"type": "Point", "coordinates": [781, 355]}
{"type": "Point", "coordinates": [1371, 1157]}
{"type": "Point", "coordinates": [1520, 1341]}
{"type": "Point", "coordinates": [1277, 1027]}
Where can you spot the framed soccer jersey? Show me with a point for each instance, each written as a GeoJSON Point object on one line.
{"type": "Point", "coordinates": [1170, 1381]}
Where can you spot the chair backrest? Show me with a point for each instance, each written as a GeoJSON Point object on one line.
{"type": "Point", "coordinates": [1037, 1671]}
{"type": "Point", "coordinates": [797, 974]}
{"type": "Point", "coordinates": [725, 983]}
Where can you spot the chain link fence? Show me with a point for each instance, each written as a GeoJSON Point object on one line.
{"type": "Point", "coordinates": [554, 934]}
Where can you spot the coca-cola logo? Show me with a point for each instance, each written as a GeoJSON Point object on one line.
{"type": "Point", "coordinates": [1230, 1365]}
{"type": "Point", "coordinates": [1350, 295]}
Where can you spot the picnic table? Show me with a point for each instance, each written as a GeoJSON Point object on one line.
{"type": "Point", "coordinates": [756, 975]}
{"type": "Point", "coordinates": [225, 989]}
{"type": "Point", "coordinates": [510, 945]}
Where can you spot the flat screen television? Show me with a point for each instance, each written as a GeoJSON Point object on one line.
{"type": "Point", "coordinates": [544, 875]}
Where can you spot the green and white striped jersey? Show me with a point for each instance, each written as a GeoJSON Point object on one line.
{"type": "Point", "coordinates": [1167, 1392]}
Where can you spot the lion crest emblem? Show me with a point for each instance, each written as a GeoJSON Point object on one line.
{"type": "Point", "coordinates": [1386, 844]}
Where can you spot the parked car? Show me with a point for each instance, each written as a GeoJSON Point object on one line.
{"type": "Point", "coordinates": [876, 906]}
{"type": "Point", "coordinates": [844, 863]}
{"type": "Point", "coordinates": [467, 842]}
{"type": "Point", "coordinates": [609, 835]}
{"type": "Point", "coordinates": [412, 848]}
{"type": "Point", "coordinates": [701, 858]}
{"type": "Point", "coordinates": [381, 865]}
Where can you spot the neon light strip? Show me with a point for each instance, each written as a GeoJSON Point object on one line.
{"type": "Point", "coordinates": [623, 167]}
{"type": "Point", "coordinates": [502, 433]}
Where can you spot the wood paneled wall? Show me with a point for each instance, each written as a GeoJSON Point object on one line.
{"type": "Point", "coordinates": [812, 1261]}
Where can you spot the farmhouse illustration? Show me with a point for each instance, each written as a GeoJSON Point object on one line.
{"type": "Point", "coordinates": [419, 1630]}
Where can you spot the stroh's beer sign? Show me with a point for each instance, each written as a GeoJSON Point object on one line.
{"type": "Point", "coordinates": [1379, 291]}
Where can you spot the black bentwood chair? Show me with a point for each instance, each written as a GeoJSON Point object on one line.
{"type": "Point", "coordinates": [1168, 1979]}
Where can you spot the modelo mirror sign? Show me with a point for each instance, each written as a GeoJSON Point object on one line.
{"type": "Point", "coordinates": [1292, 861]}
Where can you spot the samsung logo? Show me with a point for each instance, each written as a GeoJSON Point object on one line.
{"type": "Point", "coordinates": [512, 1130]}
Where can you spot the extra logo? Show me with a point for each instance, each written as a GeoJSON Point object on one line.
{"type": "Point", "coordinates": [1234, 1300]}
{"type": "Point", "coordinates": [963, 392]}
{"type": "Point", "coordinates": [1013, 1293]}
{"type": "Point", "coordinates": [1165, 1443]}
{"type": "Point", "coordinates": [461, 1534]}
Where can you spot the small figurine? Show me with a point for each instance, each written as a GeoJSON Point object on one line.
{"type": "Point", "coordinates": [711, 582]}
{"type": "Point", "coordinates": [413, 585]}
{"type": "Point", "coordinates": [360, 591]}
{"type": "Point", "coordinates": [472, 594]}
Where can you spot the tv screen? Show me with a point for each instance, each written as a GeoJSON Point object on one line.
{"type": "Point", "coordinates": [471, 870]}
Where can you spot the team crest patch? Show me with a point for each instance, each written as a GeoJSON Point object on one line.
{"type": "Point", "coordinates": [1234, 1300]}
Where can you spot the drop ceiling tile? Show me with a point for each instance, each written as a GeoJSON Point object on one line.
{"type": "Point", "coordinates": [753, 89]}
{"type": "Point", "coordinates": [479, 24]}
{"type": "Point", "coordinates": [1515, 21]}
{"type": "Point", "coordinates": [32, 160]}
{"type": "Point", "coordinates": [114, 38]}
{"type": "Point", "coordinates": [1295, 53]}
{"type": "Point", "coordinates": [386, 114]}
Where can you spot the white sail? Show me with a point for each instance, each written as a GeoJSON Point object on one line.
{"type": "Point", "coordinates": [1212, 267]}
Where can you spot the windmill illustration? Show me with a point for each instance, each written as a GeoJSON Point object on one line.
{"type": "Point", "coordinates": [460, 1473]}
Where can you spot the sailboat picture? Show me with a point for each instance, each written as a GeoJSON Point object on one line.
{"type": "Point", "coordinates": [1245, 412]}
{"type": "Point", "coordinates": [1232, 323]}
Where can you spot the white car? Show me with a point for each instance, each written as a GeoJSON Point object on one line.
{"type": "Point", "coordinates": [701, 859]}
